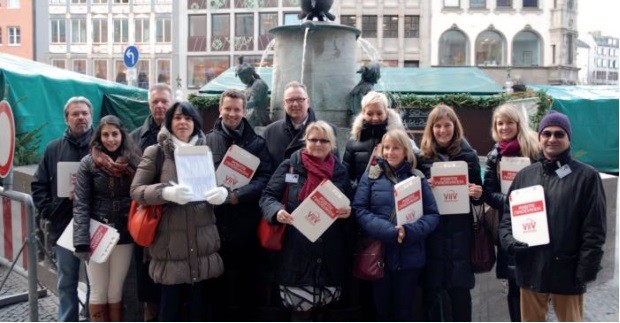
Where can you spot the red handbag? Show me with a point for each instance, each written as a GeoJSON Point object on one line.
{"type": "Point", "coordinates": [271, 236]}
{"type": "Point", "coordinates": [482, 247]}
{"type": "Point", "coordinates": [368, 263]}
{"type": "Point", "coordinates": [142, 222]}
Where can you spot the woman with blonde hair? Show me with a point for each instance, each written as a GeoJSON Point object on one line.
{"type": "Point", "coordinates": [513, 138]}
{"type": "Point", "coordinates": [448, 267]}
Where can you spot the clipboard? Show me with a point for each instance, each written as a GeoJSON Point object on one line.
{"type": "Point", "coordinates": [195, 169]}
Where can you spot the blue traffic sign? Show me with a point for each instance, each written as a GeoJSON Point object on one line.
{"type": "Point", "coordinates": [130, 57]}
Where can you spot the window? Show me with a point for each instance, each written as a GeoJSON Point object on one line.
{"type": "Point", "coordinates": [220, 30]}
{"type": "Point", "coordinates": [490, 49]}
{"type": "Point", "coordinates": [412, 26]}
{"type": "Point", "coordinates": [12, 4]}
{"type": "Point", "coordinates": [201, 70]}
{"type": "Point", "coordinates": [163, 71]}
{"type": "Point", "coordinates": [451, 4]}
{"type": "Point", "coordinates": [143, 31]}
{"type": "Point", "coordinates": [121, 30]}
{"type": "Point", "coordinates": [254, 4]}
{"type": "Point", "coordinates": [569, 49]}
{"type": "Point", "coordinates": [0, 36]}
{"type": "Point", "coordinates": [163, 30]}
{"type": "Point", "coordinates": [60, 63]}
{"type": "Point", "coordinates": [78, 30]}
{"type": "Point", "coordinates": [348, 20]}
{"type": "Point", "coordinates": [369, 26]}
{"type": "Point", "coordinates": [197, 38]}
{"type": "Point", "coordinates": [390, 26]}
{"type": "Point", "coordinates": [58, 2]}
{"type": "Point", "coordinates": [79, 66]}
{"type": "Point", "coordinates": [14, 35]}
{"type": "Point", "coordinates": [121, 1]}
{"type": "Point", "coordinates": [244, 31]}
{"type": "Point", "coordinates": [267, 21]}
{"type": "Point", "coordinates": [504, 3]}
{"type": "Point", "coordinates": [412, 64]}
{"type": "Point", "coordinates": [57, 28]}
{"type": "Point", "coordinates": [101, 69]}
{"type": "Point", "coordinates": [290, 3]}
{"type": "Point", "coordinates": [291, 18]}
{"type": "Point", "coordinates": [526, 49]}
{"type": "Point", "coordinates": [530, 3]}
{"type": "Point", "coordinates": [142, 1]}
{"type": "Point", "coordinates": [478, 4]}
{"type": "Point", "coordinates": [453, 49]}
{"type": "Point", "coordinates": [121, 72]}
{"type": "Point", "coordinates": [100, 1]}
{"type": "Point", "coordinates": [143, 74]}
{"type": "Point", "coordinates": [78, 1]}
{"type": "Point", "coordinates": [196, 4]}
{"type": "Point", "coordinates": [570, 4]}
{"type": "Point", "coordinates": [613, 76]}
{"type": "Point", "coordinates": [100, 30]}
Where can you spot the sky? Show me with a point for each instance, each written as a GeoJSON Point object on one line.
{"type": "Point", "coordinates": [602, 15]}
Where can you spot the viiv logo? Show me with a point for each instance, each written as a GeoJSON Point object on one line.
{"type": "Point", "coordinates": [529, 226]}
{"type": "Point", "coordinates": [410, 216]}
{"type": "Point", "coordinates": [313, 218]}
{"type": "Point", "coordinates": [450, 196]}
{"type": "Point", "coordinates": [231, 180]}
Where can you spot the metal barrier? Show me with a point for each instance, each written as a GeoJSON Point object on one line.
{"type": "Point", "coordinates": [9, 195]}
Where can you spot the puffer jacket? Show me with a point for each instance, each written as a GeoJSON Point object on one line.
{"type": "Point", "coordinates": [325, 262]}
{"type": "Point", "coordinates": [448, 248]}
{"type": "Point", "coordinates": [101, 197]}
{"type": "Point", "coordinates": [576, 218]}
{"type": "Point", "coordinates": [364, 138]}
{"type": "Point", "coordinates": [186, 242]}
{"type": "Point", "coordinates": [237, 223]}
{"type": "Point", "coordinates": [57, 210]}
{"type": "Point", "coordinates": [373, 205]}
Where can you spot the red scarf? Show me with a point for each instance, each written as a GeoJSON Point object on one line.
{"type": "Point", "coordinates": [117, 168]}
{"type": "Point", "coordinates": [318, 170]}
{"type": "Point", "coordinates": [509, 148]}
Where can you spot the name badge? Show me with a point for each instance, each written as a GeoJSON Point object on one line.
{"type": "Point", "coordinates": [563, 171]}
{"type": "Point", "coordinates": [291, 178]}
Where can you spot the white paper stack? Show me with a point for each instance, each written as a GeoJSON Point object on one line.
{"type": "Point", "coordinates": [195, 169]}
{"type": "Point", "coordinates": [319, 210]}
{"type": "Point", "coordinates": [450, 187]}
{"type": "Point", "coordinates": [237, 168]}
{"type": "Point", "coordinates": [528, 213]}
{"type": "Point", "coordinates": [103, 239]}
{"type": "Point", "coordinates": [508, 169]}
{"type": "Point", "coordinates": [408, 200]}
{"type": "Point", "coordinates": [66, 172]}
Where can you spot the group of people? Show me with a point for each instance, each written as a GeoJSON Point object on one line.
{"type": "Point", "coordinates": [206, 263]}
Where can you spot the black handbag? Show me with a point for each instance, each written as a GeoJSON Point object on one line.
{"type": "Point", "coordinates": [482, 246]}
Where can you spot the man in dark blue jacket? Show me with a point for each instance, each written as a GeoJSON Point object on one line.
{"type": "Point", "coordinates": [576, 215]}
{"type": "Point", "coordinates": [58, 211]}
{"type": "Point", "coordinates": [235, 292]}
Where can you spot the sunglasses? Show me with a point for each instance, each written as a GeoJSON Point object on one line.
{"type": "Point", "coordinates": [317, 140]}
{"type": "Point", "coordinates": [293, 100]}
{"type": "Point", "coordinates": [556, 134]}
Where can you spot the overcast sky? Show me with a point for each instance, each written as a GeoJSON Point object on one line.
{"type": "Point", "coordinates": [603, 15]}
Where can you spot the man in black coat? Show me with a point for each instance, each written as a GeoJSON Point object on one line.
{"type": "Point", "coordinates": [160, 100]}
{"type": "Point", "coordinates": [58, 211]}
{"type": "Point", "coordinates": [576, 218]}
{"type": "Point", "coordinates": [235, 295]}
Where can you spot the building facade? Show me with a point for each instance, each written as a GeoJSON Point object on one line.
{"type": "Point", "coordinates": [603, 59]}
{"type": "Point", "coordinates": [16, 21]}
{"type": "Point", "coordinates": [90, 37]}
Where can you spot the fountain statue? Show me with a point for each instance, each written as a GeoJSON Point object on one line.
{"type": "Point", "coordinates": [256, 94]}
{"type": "Point", "coordinates": [319, 9]}
{"type": "Point", "coordinates": [371, 74]}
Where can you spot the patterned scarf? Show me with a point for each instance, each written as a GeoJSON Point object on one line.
{"type": "Point", "coordinates": [509, 148]}
{"type": "Point", "coordinates": [118, 168]}
{"type": "Point", "coordinates": [318, 170]}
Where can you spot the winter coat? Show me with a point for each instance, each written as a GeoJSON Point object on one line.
{"type": "Point", "coordinates": [185, 247]}
{"type": "Point", "coordinates": [57, 210]}
{"type": "Point", "coordinates": [101, 197]}
{"type": "Point", "coordinates": [373, 205]}
{"type": "Point", "coordinates": [301, 262]}
{"type": "Point", "coordinates": [237, 224]}
{"type": "Point", "coordinates": [448, 248]}
{"type": "Point", "coordinates": [576, 218]}
{"type": "Point", "coordinates": [146, 134]}
{"type": "Point", "coordinates": [364, 138]}
{"type": "Point", "coordinates": [283, 140]}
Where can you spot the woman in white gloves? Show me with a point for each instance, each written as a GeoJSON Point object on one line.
{"type": "Point", "coordinates": [184, 252]}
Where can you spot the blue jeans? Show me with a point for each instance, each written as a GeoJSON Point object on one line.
{"type": "Point", "coordinates": [68, 267]}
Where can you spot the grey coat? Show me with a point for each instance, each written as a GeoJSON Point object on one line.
{"type": "Point", "coordinates": [186, 243]}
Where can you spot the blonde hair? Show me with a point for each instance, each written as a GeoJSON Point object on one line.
{"type": "Point", "coordinates": [403, 140]}
{"type": "Point", "coordinates": [323, 127]}
{"type": "Point", "coordinates": [528, 141]}
{"type": "Point", "coordinates": [428, 146]}
{"type": "Point", "coordinates": [374, 97]}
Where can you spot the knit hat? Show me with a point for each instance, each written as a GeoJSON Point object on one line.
{"type": "Point", "coordinates": [554, 118]}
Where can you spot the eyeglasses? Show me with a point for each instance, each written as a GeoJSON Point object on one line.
{"type": "Point", "coordinates": [293, 100]}
{"type": "Point", "coordinates": [317, 140]}
{"type": "Point", "coordinates": [556, 134]}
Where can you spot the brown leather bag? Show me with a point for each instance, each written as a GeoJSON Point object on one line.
{"type": "Point", "coordinates": [368, 263]}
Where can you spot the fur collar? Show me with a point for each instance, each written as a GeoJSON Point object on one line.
{"type": "Point", "coordinates": [394, 122]}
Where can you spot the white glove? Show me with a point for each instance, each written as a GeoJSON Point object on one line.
{"type": "Point", "coordinates": [216, 196]}
{"type": "Point", "coordinates": [180, 194]}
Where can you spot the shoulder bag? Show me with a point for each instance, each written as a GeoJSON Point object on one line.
{"type": "Point", "coordinates": [368, 258]}
{"type": "Point", "coordinates": [271, 236]}
{"type": "Point", "coordinates": [144, 219]}
{"type": "Point", "coordinates": [482, 246]}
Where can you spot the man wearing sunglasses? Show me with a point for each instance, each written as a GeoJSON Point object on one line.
{"type": "Point", "coordinates": [576, 217]}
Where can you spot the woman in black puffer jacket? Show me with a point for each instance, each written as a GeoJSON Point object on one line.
{"type": "Point", "coordinates": [102, 194]}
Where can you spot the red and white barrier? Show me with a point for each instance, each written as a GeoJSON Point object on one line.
{"type": "Point", "coordinates": [14, 231]}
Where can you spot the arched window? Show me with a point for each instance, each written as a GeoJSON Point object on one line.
{"type": "Point", "coordinates": [453, 48]}
{"type": "Point", "coordinates": [526, 49]}
{"type": "Point", "coordinates": [490, 49]}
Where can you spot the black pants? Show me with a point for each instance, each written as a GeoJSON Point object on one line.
{"type": "Point", "coordinates": [148, 290]}
{"type": "Point", "coordinates": [514, 300]}
{"type": "Point", "coordinates": [448, 305]}
{"type": "Point", "coordinates": [183, 302]}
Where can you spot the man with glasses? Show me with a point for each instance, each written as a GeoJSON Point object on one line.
{"type": "Point", "coordinates": [285, 136]}
{"type": "Point", "coordinates": [576, 216]}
